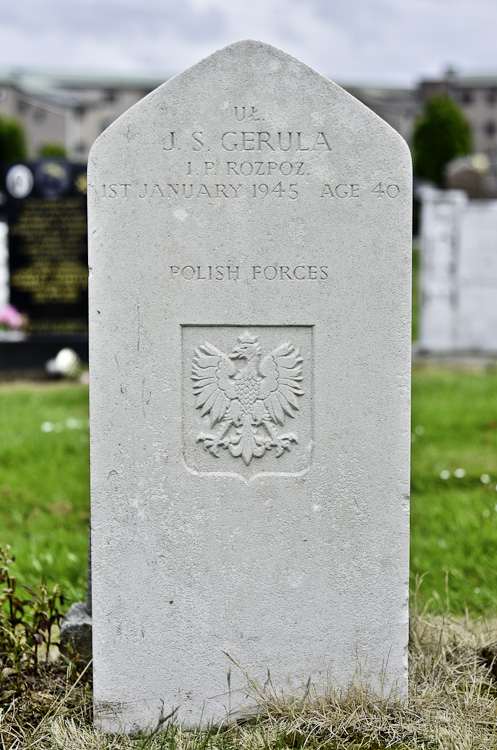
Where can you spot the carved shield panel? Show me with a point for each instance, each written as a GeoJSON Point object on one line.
{"type": "Point", "coordinates": [247, 399]}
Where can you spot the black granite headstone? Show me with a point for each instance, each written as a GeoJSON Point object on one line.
{"type": "Point", "coordinates": [47, 237]}
{"type": "Point", "coordinates": [48, 246]}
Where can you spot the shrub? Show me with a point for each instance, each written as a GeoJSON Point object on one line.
{"type": "Point", "coordinates": [12, 141]}
{"type": "Point", "coordinates": [52, 149]}
{"type": "Point", "coordinates": [441, 134]}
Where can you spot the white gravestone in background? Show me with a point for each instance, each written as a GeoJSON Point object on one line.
{"type": "Point", "coordinates": [250, 252]}
{"type": "Point", "coordinates": [476, 277]}
{"type": "Point", "coordinates": [458, 282]}
{"type": "Point", "coordinates": [4, 265]}
{"type": "Point", "coordinates": [440, 236]}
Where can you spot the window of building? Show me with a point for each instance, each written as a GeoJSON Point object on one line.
{"type": "Point", "coordinates": [490, 128]}
{"type": "Point", "coordinates": [491, 97]}
{"type": "Point", "coordinates": [466, 97]}
{"type": "Point", "coordinates": [110, 96]}
{"type": "Point", "coordinates": [39, 114]}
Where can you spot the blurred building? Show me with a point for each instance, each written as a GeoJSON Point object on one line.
{"type": "Point", "coordinates": [73, 110]}
{"type": "Point", "coordinates": [477, 97]}
{"type": "Point", "coordinates": [69, 110]}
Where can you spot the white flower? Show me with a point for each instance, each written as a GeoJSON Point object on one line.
{"type": "Point", "coordinates": [74, 424]}
{"type": "Point", "coordinates": [460, 473]}
{"type": "Point", "coordinates": [67, 362]}
{"type": "Point", "coordinates": [47, 427]}
{"type": "Point", "coordinates": [485, 479]}
{"type": "Point", "coordinates": [444, 474]}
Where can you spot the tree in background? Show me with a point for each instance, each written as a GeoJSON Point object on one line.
{"type": "Point", "coordinates": [52, 149]}
{"type": "Point", "coordinates": [441, 134]}
{"type": "Point", "coordinates": [12, 141]}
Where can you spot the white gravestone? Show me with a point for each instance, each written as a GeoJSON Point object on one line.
{"type": "Point", "coordinates": [250, 252]}
{"type": "Point", "coordinates": [440, 236]}
{"type": "Point", "coordinates": [476, 279]}
{"type": "Point", "coordinates": [4, 265]}
{"type": "Point", "coordinates": [458, 280]}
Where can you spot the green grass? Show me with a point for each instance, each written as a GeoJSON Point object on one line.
{"type": "Point", "coordinates": [44, 483]}
{"type": "Point", "coordinates": [454, 520]}
{"type": "Point", "coordinates": [44, 508]}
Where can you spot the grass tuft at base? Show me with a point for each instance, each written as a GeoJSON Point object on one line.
{"type": "Point", "coordinates": [452, 704]}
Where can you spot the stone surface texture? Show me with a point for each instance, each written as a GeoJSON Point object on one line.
{"type": "Point", "coordinates": [458, 283]}
{"type": "Point", "coordinates": [250, 253]}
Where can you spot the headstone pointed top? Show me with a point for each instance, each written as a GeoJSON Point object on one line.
{"type": "Point", "coordinates": [245, 76]}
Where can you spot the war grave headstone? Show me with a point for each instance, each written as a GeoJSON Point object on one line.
{"type": "Point", "coordinates": [477, 277]}
{"type": "Point", "coordinates": [458, 273]}
{"type": "Point", "coordinates": [440, 232]}
{"type": "Point", "coordinates": [249, 253]}
{"type": "Point", "coordinates": [47, 257]}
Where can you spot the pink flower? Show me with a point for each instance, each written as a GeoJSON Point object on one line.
{"type": "Point", "coordinates": [10, 317]}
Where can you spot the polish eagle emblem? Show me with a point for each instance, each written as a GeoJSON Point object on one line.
{"type": "Point", "coordinates": [249, 403]}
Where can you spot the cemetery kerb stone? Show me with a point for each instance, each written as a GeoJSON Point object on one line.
{"type": "Point", "coordinates": [250, 253]}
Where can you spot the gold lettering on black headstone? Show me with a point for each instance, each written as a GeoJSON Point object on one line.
{"type": "Point", "coordinates": [48, 262]}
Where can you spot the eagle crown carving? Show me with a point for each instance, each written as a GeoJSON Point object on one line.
{"type": "Point", "coordinates": [249, 403]}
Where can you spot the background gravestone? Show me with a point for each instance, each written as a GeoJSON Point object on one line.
{"type": "Point", "coordinates": [46, 214]}
{"type": "Point", "coordinates": [250, 253]}
{"type": "Point", "coordinates": [45, 208]}
{"type": "Point", "coordinates": [458, 273]}
{"type": "Point", "coordinates": [4, 265]}
{"type": "Point", "coordinates": [440, 236]}
{"type": "Point", "coordinates": [477, 277]}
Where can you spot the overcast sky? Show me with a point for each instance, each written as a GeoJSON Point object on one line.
{"type": "Point", "coordinates": [377, 41]}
